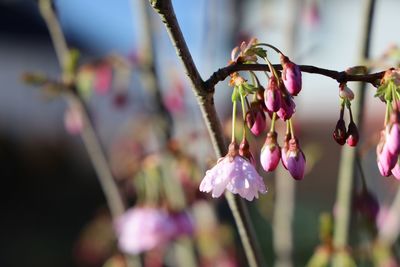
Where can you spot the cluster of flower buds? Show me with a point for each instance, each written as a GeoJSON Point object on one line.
{"type": "Point", "coordinates": [236, 171]}
{"type": "Point", "coordinates": [341, 134]}
{"type": "Point", "coordinates": [388, 148]}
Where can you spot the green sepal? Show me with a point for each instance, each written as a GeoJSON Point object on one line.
{"type": "Point", "coordinates": [381, 90]}
{"type": "Point", "coordinates": [259, 51]}
{"type": "Point", "coordinates": [250, 88]}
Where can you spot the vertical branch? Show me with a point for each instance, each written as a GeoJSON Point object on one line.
{"type": "Point", "coordinates": [149, 73]}
{"type": "Point", "coordinates": [205, 100]}
{"type": "Point", "coordinates": [348, 155]}
{"type": "Point", "coordinates": [90, 139]}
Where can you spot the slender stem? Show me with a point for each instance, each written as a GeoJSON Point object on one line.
{"type": "Point", "coordinates": [270, 46]}
{"type": "Point", "coordinates": [233, 121]}
{"type": "Point", "coordinates": [272, 129]}
{"type": "Point", "coordinates": [349, 155]}
{"type": "Point", "coordinates": [387, 113]}
{"type": "Point", "coordinates": [204, 94]}
{"type": "Point", "coordinates": [242, 101]}
{"type": "Point", "coordinates": [291, 128]}
{"type": "Point", "coordinates": [287, 127]}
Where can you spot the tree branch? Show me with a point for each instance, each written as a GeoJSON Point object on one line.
{"type": "Point", "coordinates": [205, 99]}
{"type": "Point", "coordinates": [339, 76]}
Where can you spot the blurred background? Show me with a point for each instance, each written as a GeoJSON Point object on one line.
{"type": "Point", "coordinates": [51, 199]}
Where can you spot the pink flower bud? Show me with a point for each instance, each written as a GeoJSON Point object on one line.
{"type": "Point", "coordinates": [386, 160]}
{"type": "Point", "coordinates": [346, 93]}
{"type": "Point", "coordinates": [287, 109]}
{"type": "Point", "coordinates": [339, 134]}
{"type": "Point", "coordinates": [270, 153]}
{"type": "Point", "coordinates": [295, 160]}
{"type": "Point", "coordinates": [291, 76]}
{"type": "Point", "coordinates": [352, 134]}
{"type": "Point", "coordinates": [367, 205]}
{"type": "Point", "coordinates": [393, 134]}
{"type": "Point", "coordinates": [272, 96]}
{"type": "Point", "coordinates": [396, 170]}
{"type": "Point", "coordinates": [255, 119]}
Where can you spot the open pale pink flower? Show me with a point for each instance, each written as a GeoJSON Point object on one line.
{"type": "Point", "coordinates": [234, 173]}
{"type": "Point", "coordinates": [291, 76]}
{"type": "Point", "coordinates": [293, 159]}
{"type": "Point", "coordinates": [270, 153]}
{"type": "Point", "coordinates": [143, 228]}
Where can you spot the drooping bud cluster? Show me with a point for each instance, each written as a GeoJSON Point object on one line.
{"type": "Point", "coordinates": [340, 133]}
{"type": "Point", "coordinates": [236, 171]}
{"type": "Point", "coordinates": [388, 148]}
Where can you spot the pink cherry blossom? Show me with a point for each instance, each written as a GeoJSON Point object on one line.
{"type": "Point", "coordinates": [143, 228]}
{"type": "Point", "coordinates": [291, 76]}
{"type": "Point", "coordinates": [235, 173]}
{"type": "Point", "coordinates": [103, 79]}
{"type": "Point", "coordinates": [270, 153]}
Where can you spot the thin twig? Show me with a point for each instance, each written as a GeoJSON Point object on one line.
{"type": "Point", "coordinates": [339, 76]}
{"type": "Point", "coordinates": [349, 155]}
{"type": "Point", "coordinates": [92, 144]}
{"type": "Point", "coordinates": [205, 99]}
{"type": "Point", "coordinates": [149, 70]}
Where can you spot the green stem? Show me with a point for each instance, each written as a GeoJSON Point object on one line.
{"type": "Point", "coordinates": [291, 128]}
{"type": "Point", "coordinates": [270, 46]}
{"type": "Point", "coordinates": [243, 114]}
{"type": "Point", "coordinates": [233, 121]}
{"type": "Point", "coordinates": [387, 113]}
{"type": "Point", "coordinates": [272, 129]}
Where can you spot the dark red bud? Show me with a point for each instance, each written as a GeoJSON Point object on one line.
{"type": "Point", "coordinates": [352, 134]}
{"type": "Point", "coordinates": [339, 134]}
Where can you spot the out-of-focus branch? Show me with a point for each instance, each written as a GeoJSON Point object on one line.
{"type": "Point", "coordinates": [90, 139]}
{"type": "Point", "coordinates": [56, 35]}
{"type": "Point", "coordinates": [349, 155]}
{"type": "Point", "coordinates": [204, 94]}
{"type": "Point", "coordinates": [149, 71]}
{"type": "Point", "coordinates": [339, 76]}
